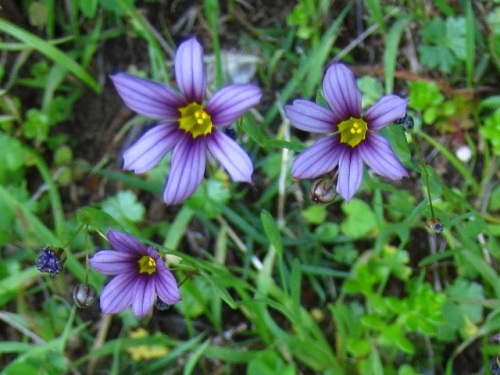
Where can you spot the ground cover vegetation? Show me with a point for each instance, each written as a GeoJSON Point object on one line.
{"type": "Point", "coordinates": [249, 187]}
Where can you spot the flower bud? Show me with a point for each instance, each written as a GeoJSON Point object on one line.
{"type": "Point", "coordinates": [51, 260]}
{"type": "Point", "coordinates": [435, 225]}
{"type": "Point", "coordinates": [84, 295]}
{"type": "Point", "coordinates": [323, 191]}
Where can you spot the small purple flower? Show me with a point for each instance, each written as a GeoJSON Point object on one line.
{"type": "Point", "coordinates": [188, 126]}
{"type": "Point", "coordinates": [353, 139]}
{"type": "Point", "coordinates": [141, 276]}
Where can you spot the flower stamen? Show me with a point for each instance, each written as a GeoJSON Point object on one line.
{"type": "Point", "coordinates": [147, 265]}
{"type": "Point", "coordinates": [195, 120]}
{"type": "Point", "coordinates": [352, 131]}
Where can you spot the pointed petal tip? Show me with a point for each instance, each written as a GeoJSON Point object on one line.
{"type": "Point", "coordinates": [231, 156]}
{"type": "Point", "coordinates": [341, 92]}
{"type": "Point", "coordinates": [190, 70]}
{"type": "Point", "coordinates": [231, 102]}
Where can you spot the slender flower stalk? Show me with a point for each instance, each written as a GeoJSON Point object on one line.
{"type": "Point", "coordinates": [140, 276]}
{"type": "Point", "coordinates": [188, 125]}
{"type": "Point", "coordinates": [352, 136]}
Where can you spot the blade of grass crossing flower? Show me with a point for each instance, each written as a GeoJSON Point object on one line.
{"type": "Point", "coordinates": [212, 14]}
{"type": "Point", "coordinates": [48, 50]}
{"type": "Point", "coordinates": [391, 50]}
{"type": "Point", "coordinates": [470, 43]}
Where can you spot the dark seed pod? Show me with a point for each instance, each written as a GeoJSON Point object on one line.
{"type": "Point", "coordinates": [406, 122]}
{"type": "Point", "coordinates": [51, 260]}
{"type": "Point", "coordinates": [84, 295]}
{"type": "Point", "coordinates": [323, 191]}
{"type": "Point", "coordinates": [160, 305]}
{"type": "Point", "coordinates": [435, 225]}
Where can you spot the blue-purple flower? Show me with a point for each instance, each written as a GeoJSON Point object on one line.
{"type": "Point", "coordinates": [352, 136]}
{"type": "Point", "coordinates": [140, 276]}
{"type": "Point", "coordinates": [188, 125]}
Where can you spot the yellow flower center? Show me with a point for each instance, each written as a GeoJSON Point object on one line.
{"type": "Point", "coordinates": [352, 131]}
{"type": "Point", "coordinates": [195, 120]}
{"type": "Point", "coordinates": [147, 265]}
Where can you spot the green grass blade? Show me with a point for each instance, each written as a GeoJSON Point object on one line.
{"type": "Point", "coordinates": [470, 43]}
{"type": "Point", "coordinates": [391, 50]}
{"type": "Point", "coordinates": [453, 160]}
{"type": "Point", "coordinates": [49, 51]}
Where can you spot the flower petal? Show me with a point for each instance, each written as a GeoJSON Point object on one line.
{"type": "Point", "coordinates": [376, 151]}
{"type": "Point", "coordinates": [232, 157]}
{"type": "Point", "coordinates": [350, 173]}
{"type": "Point", "coordinates": [230, 102]}
{"type": "Point", "coordinates": [118, 293]}
{"type": "Point", "coordinates": [147, 97]}
{"type": "Point", "coordinates": [341, 92]}
{"type": "Point", "coordinates": [190, 71]}
{"type": "Point", "coordinates": [144, 295]}
{"type": "Point", "coordinates": [166, 286]}
{"type": "Point", "coordinates": [320, 158]}
{"type": "Point", "coordinates": [186, 170]}
{"type": "Point", "coordinates": [387, 110]}
{"type": "Point", "coordinates": [309, 116]}
{"type": "Point", "coordinates": [148, 150]}
{"type": "Point", "coordinates": [125, 242]}
{"type": "Point", "coordinates": [112, 262]}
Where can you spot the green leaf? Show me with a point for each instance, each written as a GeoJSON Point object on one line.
{"type": "Point", "coordinates": [397, 138]}
{"type": "Point", "coordinates": [124, 206]}
{"type": "Point", "coordinates": [272, 231]}
{"type": "Point", "coordinates": [210, 197]}
{"type": "Point", "coordinates": [494, 202]}
{"type": "Point", "coordinates": [270, 363]}
{"type": "Point", "coordinates": [360, 219]}
{"type": "Point", "coordinates": [88, 7]}
{"type": "Point", "coordinates": [437, 57]}
{"type": "Point", "coordinates": [315, 214]}
{"type": "Point", "coordinates": [371, 90]}
{"type": "Point", "coordinates": [327, 232]}
{"type": "Point", "coordinates": [455, 33]}
{"type": "Point", "coordinates": [467, 295]}
{"type": "Point", "coordinates": [97, 219]}
{"type": "Point", "coordinates": [424, 95]}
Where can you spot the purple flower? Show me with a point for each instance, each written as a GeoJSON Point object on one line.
{"type": "Point", "coordinates": [353, 137]}
{"type": "Point", "coordinates": [141, 276]}
{"type": "Point", "coordinates": [188, 126]}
